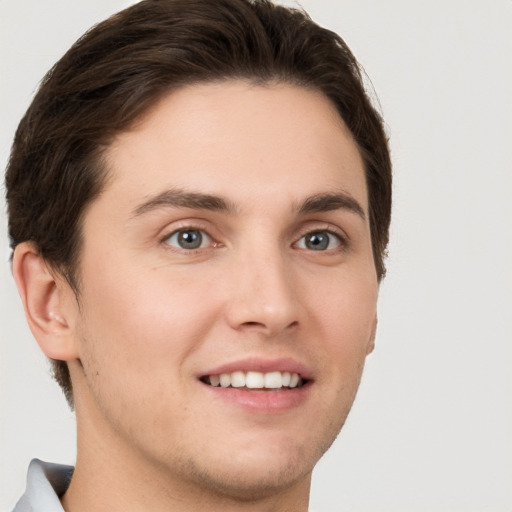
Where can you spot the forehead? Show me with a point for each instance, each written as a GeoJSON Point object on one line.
{"type": "Point", "coordinates": [237, 138]}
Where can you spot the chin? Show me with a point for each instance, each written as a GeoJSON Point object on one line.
{"type": "Point", "coordinates": [248, 483]}
{"type": "Point", "coordinates": [266, 468]}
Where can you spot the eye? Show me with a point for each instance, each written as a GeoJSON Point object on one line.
{"type": "Point", "coordinates": [319, 241]}
{"type": "Point", "coordinates": [189, 239]}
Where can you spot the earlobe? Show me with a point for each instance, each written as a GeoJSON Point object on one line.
{"type": "Point", "coordinates": [44, 298]}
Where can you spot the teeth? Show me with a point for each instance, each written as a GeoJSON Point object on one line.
{"type": "Point", "coordinates": [256, 380]}
{"type": "Point", "coordinates": [238, 379]}
{"type": "Point", "coordinates": [225, 380]}
{"type": "Point", "coordinates": [273, 380]}
{"type": "Point", "coordinates": [294, 380]}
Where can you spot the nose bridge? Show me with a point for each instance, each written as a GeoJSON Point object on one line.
{"type": "Point", "coordinates": [263, 295]}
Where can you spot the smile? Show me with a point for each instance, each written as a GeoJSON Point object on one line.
{"type": "Point", "coordinates": [275, 380]}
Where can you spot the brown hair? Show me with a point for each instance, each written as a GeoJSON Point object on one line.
{"type": "Point", "coordinates": [123, 66]}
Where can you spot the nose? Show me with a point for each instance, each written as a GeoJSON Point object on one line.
{"type": "Point", "coordinates": [263, 295]}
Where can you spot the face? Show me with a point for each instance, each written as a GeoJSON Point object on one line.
{"type": "Point", "coordinates": [228, 296]}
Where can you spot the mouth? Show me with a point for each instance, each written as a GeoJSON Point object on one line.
{"type": "Point", "coordinates": [259, 385]}
{"type": "Point", "coordinates": [256, 381]}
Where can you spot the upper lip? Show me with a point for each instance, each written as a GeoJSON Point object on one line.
{"type": "Point", "coordinates": [257, 364]}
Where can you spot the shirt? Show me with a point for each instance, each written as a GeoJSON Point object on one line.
{"type": "Point", "coordinates": [45, 483]}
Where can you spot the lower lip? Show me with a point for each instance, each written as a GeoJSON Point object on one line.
{"type": "Point", "coordinates": [265, 402]}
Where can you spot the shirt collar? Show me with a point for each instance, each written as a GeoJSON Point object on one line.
{"type": "Point", "coordinates": [46, 482]}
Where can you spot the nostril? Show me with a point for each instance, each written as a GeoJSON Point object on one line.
{"type": "Point", "coordinates": [253, 324]}
{"type": "Point", "coordinates": [260, 325]}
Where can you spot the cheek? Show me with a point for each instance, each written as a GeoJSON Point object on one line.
{"type": "Point", "coordinates": [346, 302]}
{"type": "Point", "coordinates": [147, 317]}
{"type": "Point", "coordinates": [136, 335]}
{"type": "Point", "coordinates": [345, 315]}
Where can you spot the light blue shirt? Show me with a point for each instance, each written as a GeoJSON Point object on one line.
{"type": "Point", "coordinates": [45, 483]}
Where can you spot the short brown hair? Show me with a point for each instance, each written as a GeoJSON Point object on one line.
{"type": "Point", "coordinates": [123, 66]}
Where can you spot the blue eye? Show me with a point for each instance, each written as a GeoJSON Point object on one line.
{"type": "Point", "coordinates": [189, 239]}
{"type": "Point", "coordinates": [319, 241]}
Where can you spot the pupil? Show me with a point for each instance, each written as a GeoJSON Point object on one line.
{"type": "Point", "coordinates": [191, 239]}
{"type": "Point", "coordinates": [317, 241]}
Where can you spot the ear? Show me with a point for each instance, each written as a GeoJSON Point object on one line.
{"type": "Point", "coordinates": [47, 302]}
{"type": "Point", "coordinates": [371, 342]}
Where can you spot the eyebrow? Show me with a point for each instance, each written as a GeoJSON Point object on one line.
{"type": "Point", "coordinates": [331, 201]}
{"type": "Point", "coordinates": [181, 199]}
{"type": "Point", "coordinates": [178, 198]}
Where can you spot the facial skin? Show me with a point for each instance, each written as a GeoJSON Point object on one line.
{"type": "Point", "coordinates": [156, 318]}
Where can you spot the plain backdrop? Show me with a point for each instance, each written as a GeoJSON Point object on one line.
{"type": "Point", "coordinates": [431, 429]}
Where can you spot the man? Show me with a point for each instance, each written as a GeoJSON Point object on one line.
{"type": "Point", "coordinates": [199, 200]}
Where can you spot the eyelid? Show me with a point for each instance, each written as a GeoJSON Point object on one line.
{"type": "Point", "coordinates": [188, 225]}
{"type": "Point", "coordinates": [326, 228]}
{"type": "Point", "coordinates": [301, 244]}
{"type": "Point", "coordinates": [205, 238]}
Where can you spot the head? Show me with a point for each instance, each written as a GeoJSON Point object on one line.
{"type": "Point", "coordinates": [117, 78]}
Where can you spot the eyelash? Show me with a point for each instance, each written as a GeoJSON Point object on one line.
{"type": "Point", "coordinates": [189, 229]}
{"type": "Point", "coordinates": [331, 234]}
{"type": "Point", "coordinates": [341, 239]}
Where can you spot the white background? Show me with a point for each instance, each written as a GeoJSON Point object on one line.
{"type": "Point", "coordinates": [431, 429]}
